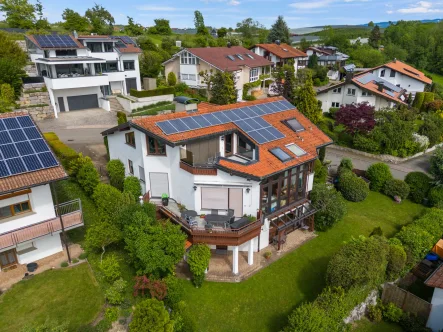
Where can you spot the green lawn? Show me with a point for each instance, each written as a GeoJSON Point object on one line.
{"type": "Point", "coordinates": [366, 326]}
{"type": "Point", "coordinates": [153, 110]}
{"type": "Point", "coordinates": [70, 294]}
{"type": "Point", "coordinates": [435, 77]}
{"type": "Point", "coordinates": [263, 302]}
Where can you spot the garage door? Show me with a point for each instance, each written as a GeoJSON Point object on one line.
{"type": "Point", "coordinates": [159, 184]}
{"type": "Point", "coordinates": [82, 102]}
{"type": "Point", "coordinates": [131, 83]}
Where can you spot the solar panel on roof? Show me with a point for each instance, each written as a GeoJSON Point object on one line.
{"type": "Point", "coordinates": [190, 122]}
{"type": "Point", "coordinates": [23, 149]}
{"type": "Point", "coordinates": [55, 41]}
{"type": "Point", "coordinates": [257, 137]}
{"type": "Point", "coordinates": [390, 93]}
{"type": "Point", "coordinates": [211, 119]}
{"type": "Point", "coordinates": [243, 125]}
{"type": "Point", "coordinates": [2, 126]}
{"type": "Point", "coordinates": [202, 121]}
{"type": "Point", "coordinates": [276, 133]}
{"type": "Point", "coordinates": [127, 40]}
{"type": "Point", "coordinates": [258, 111]}
{"type": "Point", "coordinates": [231, 115]}
{"type": "Point", "coordinates": [280, 154]}
{"type": "Point", "coordinates": [221, 117]}
{"type": "Point", "coordinates": [167, 128]}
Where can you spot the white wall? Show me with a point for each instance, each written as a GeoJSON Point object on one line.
{"type": "Point", "coordinates": [129, 106]}
{"type": "Point", "coordinates": [72, 92]}
{"type": "Point", "coordinates": [45, 246]}
{"type": "Point", "coordinates": [406, 82]}
{"type": "Point", "coordinates": [435, 320]}
{"type": "Point", "coordinates": [192, 70]}
{"type": "Point", "coordinates": [41, 204]}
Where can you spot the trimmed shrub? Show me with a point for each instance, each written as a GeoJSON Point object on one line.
{"type": "Point", "coordinates": [419, 184]}
{"type": "Point", "coordinates": [330, 205]}
{"type": "Point", "coordinates": [353, 188]}
{"type": "Point", "coordinates": [394, 187]}
{"type": "Point", "coordinates": [322, 154]}
{"type": "Point", "coordinates": [61, 150]}
{"type": "Point", "coordinates": [121, 117]}
{"type": "Point", "coordinates": [375, 314]}
{"type": "Point", "coordinates": [396, 262]}
{"type": "Point", "coordinates": [418, 100]}
{"type": "Point", "coordinates": [88, 178]}
{"type": "Point", "coordinates": [151, 315]}
{"type": "Point", "coordinates": [172, 79]}
{"type": "Point", "coordinates": [175, 291]}
{"type": "Point", "coordinates": [64, 264]}
{"type": "Point", "coordinates": [333, 111]}
{"type": "Point", "coordinates": [114, 294]}
{"type": "Point", "coordinates": [436, 197]}
{"type": "Point", "coordinates": [51, 136]}
{"type": "Point", "coordinates": [152, 93]}
{"type": "Point", "coordinates": [378, 174]}
{"type": "Point", "coordinates": [76, 164]}
{"type": "Point", "coordinates": [112, 314]}
{"type": "Point", "coordinates": [435, 105]}
{"type": "Point", "coordinates": [392, 313]}
{"type": "Point", "coordinates": [346, 268]}
{"type": "Point", "coordinates": [416, 242]}
{"type": "Point", "coordinates": [132, 185]}
{"type": "Point", "coordinates": [345, 164]}
{"type": "Point", "coordinates": [198, 260]}
{"type": "Point", "coordinates": [83, 255]}
{"type": "Point", "coordinates": [109, 201]}
{"type": "Point", "coordinates": [116, 171]}
{"type": "Point", "coordinates": [320, 172]}
{"type": "Point", "coordinates": [428, 97]}
{"type": "Point", "coordinates": [110, 267]}
{"type": "Point", "coordinates": [432, 222]}
{"type": "Point", "coordinates": [75, 261]}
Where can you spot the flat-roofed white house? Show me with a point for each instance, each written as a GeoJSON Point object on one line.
{"type": "Point", "coordinates": [79, 71]}
{"type": "Point", "coordinates": [189, 62]}
{"type": "Point", "coordinates": [228, 162]}
{"type": "Point", "coordinates": [30, 222]}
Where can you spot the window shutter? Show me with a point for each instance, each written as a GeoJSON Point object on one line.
{"type": "Point", "coordinates": [214, 198]}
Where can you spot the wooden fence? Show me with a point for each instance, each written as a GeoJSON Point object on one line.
{"type": "Point", "coordinates": [408, 302]}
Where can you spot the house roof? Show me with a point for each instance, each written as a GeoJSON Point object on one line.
{"type": "Point", "coordinates": [309, 139]}
{"type": "Point", "coordinates": [407, 70]}
{"type": "Point", "coordinates": [219, 57]}
{"type": "Point", "coordinates": [318, 50]}
{"type": "Point", "coordinates": [283, 50]}
{"type": "Point", "coordinates": [34, 41]}
{"type": "Point", "coordinates": [436, 278]}
{"type": "Point", "coordinates": [31, 178]}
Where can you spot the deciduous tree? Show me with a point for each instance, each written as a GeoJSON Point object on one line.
{"type": "Point", "coordinates": [223, 89]}
{"type": "Point", "coordinates": [101, 234]}
{"type": "Point", "coordinates": [150, 315]}
{"type": "Point", "coordinates": [306, 100]}
{"type": "Point", "coordinates": [222, 32]}
{"type": "Point", "coordinates": [133, 29]}
{"type": "Point", "coordinates": [18, 13]}
{"type": "Point", "coordinates": [162, 26]}
{"type": "Point", "coordinates": [357, 118]}
{"type": "Point", "coordinates": [199, 23]}
{"type": "Point", "coordinates": [74, 21]}
{"type": "Point", "coordinates": [100, 19]}
{"type": "Point", "coordinates": [279, 31]}
{"type": "Point", "coordinates": [150, 64]}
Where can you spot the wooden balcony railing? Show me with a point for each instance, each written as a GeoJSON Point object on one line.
{"type": "Point", "coordinates": [72, 217]}
{"type": "Point", "coordinates": [198, 170]}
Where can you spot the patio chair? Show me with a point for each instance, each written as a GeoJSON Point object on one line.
{"type": "Point", "coordinates": [230, 213]}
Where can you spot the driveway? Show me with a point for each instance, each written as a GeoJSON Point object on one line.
{"type": "Point", "coordinates": [81, 130]}
{"type": "Point", "coordinates": [399, 171]}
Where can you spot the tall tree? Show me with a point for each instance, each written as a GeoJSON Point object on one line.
{"type": "Point", "coordinates": [19, 13]}
{"type": "Point", "coordinates": [199, 23]}
{"type": "Point", "coordinates": [223, 89]}
{"type": "Point", "coordinates": [150, 64]}
{"type": "Point", "coordinates": [222, 32]}
{"type": "Point", "coordinates": [371, 24]}
{"type": "Point", "coordinates": [74, 21]}
{"type": "Point", "coordinates": [313, 61]}
{"type": "Point", "coordinates": [375, 37]}
{"type": "Point", "coordinates": [42, 22]}
{"type": "Point", "coordinates": [101, 20]}
{"type": "Point", "coordinates": [304, 44]}
{"type": "Point", "coordinates": [133, 29]}
{"type": "Point", "coordinates": [162, 26]}
{"type": "Point", "coordinates": [279, 31]}
{"type": "Point", "coordinates": [306, 100]}
{"type": "Point", "coordinates": [249, 28]}
{"type": "Point", "coordinates": [284, 84]}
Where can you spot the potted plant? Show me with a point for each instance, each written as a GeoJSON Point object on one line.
{"type": "Point", "coordinates": [165, 199]}
{"type": "Point", "coordinates": [268, 255]}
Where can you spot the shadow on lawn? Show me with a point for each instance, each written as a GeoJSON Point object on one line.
{"type": "Point", "coordinates": [310, 280]}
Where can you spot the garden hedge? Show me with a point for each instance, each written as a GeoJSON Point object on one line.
{"type": "Point", "coordinates": [61, 150]}
{"type": "Point", "coordinates": [121, 117]}
{"type": "Point", "coordinates": [330, 205]}
{"type": "Point", "coordinates": [394, 187]}
{"type": "Point", "coordinates": [419, 184]}
{"type": "Point", "coordinates": [116, 172]}
{"type": "Point", "coordinates": [378, 174]}
{"type": "Point", "coordinates": [428, 97]}
{"type": "Point", "coordinates": [152, 93]}
{"type": "Point", "coordinates": [132, 185]}
{"type": "Point", "coordinates": [436, 197]}
{"type": "Point", "coordinates": [353, 188]}
{"type": "Point", "coordinates": [418, 100]}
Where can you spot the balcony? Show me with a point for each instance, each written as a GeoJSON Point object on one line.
{"type": "Point", "coordinates": [191, 165]}
{"type": "Point", "coordinates": [72, 217]}
{"type": "Point", "coordinates": [76, 81]}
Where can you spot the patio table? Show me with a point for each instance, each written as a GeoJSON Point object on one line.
{"type": "Point", "coordinates": [217, 219]}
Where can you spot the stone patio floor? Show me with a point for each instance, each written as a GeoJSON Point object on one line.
{"type": "Point", "coordinates": [11, 277]}
{"type": "Point", "coordinates": [220, 266]}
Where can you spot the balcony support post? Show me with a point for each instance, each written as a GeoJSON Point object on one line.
{"type": "Point", "coordinates": [235, 260]}
{"type": "Point", "coordinates": [64, 237]}
{"type": "Point", "coordinates": [251, 252]}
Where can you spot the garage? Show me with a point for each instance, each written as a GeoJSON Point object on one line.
{"type": "Point", "coordinates": [131, 83]}
{"type": "Point", "coordinates": [76, 103]}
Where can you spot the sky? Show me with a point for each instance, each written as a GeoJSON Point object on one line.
{"type": "Point", "coordinates": [218, 13]}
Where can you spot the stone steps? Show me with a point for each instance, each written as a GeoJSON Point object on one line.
{"type": "Point", "coordinates": [115, 105]}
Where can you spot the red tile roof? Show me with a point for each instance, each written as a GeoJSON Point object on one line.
{"type": "Point", "coordinates": [283, 50]}
{"type": "Point", "coordinates": [373, 88]}
{"type": "Point", "coordinates": [29, 179]}
{"type": "Point", "coordinates": [309, 139]}
{"type": "Point", "coordinates": [408, 70]}
{"type": "Point", "coordinates": [218, 57]}
{"type": "Point", "coordinates": [436, 278]}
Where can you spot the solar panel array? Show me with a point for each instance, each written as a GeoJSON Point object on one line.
{"type": "Point", "coordinates": [55, 41]}
{"type": "Point", "coordinates": [125, 39]}
{"type": "Point", "coordinates": [248, 118]}
{"type": "Point", "coordinates": [22, 147]}
{"type": "Point", "coordinates": [371, 77]}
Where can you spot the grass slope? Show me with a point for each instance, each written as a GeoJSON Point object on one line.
{"type": "Point", "coordinates": [263, 302]}
{"type": "Point", "coordinates": [70, 294]}
{"type": "Point", "coordinates": [435, 77]}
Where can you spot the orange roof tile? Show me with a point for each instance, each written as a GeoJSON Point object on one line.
{"type": "Point", "coordinates": [408, 70]}
{"type": "Point", "coordinates": [373, 87]}
{"type": "Point", "coordinates": [283, 50]}
{"type": "Point", "coordinates": [309, 139]}
{"type": "Point", "coordinates": [436, 278]}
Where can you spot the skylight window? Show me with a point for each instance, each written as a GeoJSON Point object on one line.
{"type": "Point", "coordinates": [280, 154]}
{"type": "Point", "coordinates": [295, 149]}
{"type": "Point", "coordinates": [294, 125]}
{"type": "Point", "coordinates": [239, 56]}
{"type": "Point", "coordinates": [250, 56]}
{"type": "Point", "coordinates": [230, 57]}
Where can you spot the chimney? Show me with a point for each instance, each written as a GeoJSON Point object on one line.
{"type": "Point", "coordinates": [380, 86]}
{"type": "Point", "coordinates": [395, 60]}
{"type": "Point", "coordinates": [75, 34]}
{"type": "Point", "coordinates": [178, 43]}
{"type": "Point", "coordinates": [228, 44]}
{"type": "Point", "coordinates": [277, 41]}
{"type": "Point", "coordinates": [349, 76]}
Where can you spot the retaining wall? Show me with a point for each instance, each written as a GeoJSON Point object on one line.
{"type": "Point", "coordinates": [36, 103]}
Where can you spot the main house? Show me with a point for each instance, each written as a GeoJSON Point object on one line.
{"type": "Point", "coordinates": [244, 64]}
{"type": "Point", "coordinates": [30, 223]}
{"type": "Point", "coordinates": [80, 70]}
{"type": "Point", "coordinates": [281, 53]}
{"type": "Point", "coordinates": [247, 159]}
{"type": "Point", "coordinates": [328, 56]}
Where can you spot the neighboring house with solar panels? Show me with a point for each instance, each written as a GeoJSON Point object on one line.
{"type": "Point", "coordinates": [366, 87]}
{"type": "Point", "coordinates": [244, 64]}
{"type": "Point", "coordinates": [253, 158]}
{"type": "Point", "coordinates": [79, 71]}
{"type": "Point", "coordinates": [280, 53]}
{"type": "Point", "coordinates": [30, 225]}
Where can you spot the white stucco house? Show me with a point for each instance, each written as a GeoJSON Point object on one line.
{"type": "Point", "coordinates": [246, 159]}
{"type": "Point", "coordinates": [244, 64]}
{"type": "Point", "coordinates": [435, 280]}
{"type": "Point", "coordinates": [79, 71]}
{"type": "Point", "coordinates": [30, 223]}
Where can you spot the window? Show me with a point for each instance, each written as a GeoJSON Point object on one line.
{"type": "Point", "coordinates": [129, 65]}
{"type": "Point", "coordinates": [46, 53]}
{"type": "Point", "coordinates": [130, 167]}
{"type": "Point", "coordinates": [366, 94]}
{"type": "Point", "coordinates": [188, 77]}
{"type": "Point", "coordinates": [155, 147]}
{"type": "Point", "coordinates": [109, 47]}
{"type": "Point", "coordinates": [130, 139]}
{"type": "Point", "coordinates": [336, 90]}
{"type": "Point", "coordinates": [253, 75]}
{"type": "Point", "coordinates": [187, 58]}
{"type": "Point", "coordinates": [335, 104]}
{"type": "Point", "coordinates": [239, 56]}
{"type": "Point", "coordinates": [66, 52]}
{"type": "Point", "coordinates": [15, 209]}
{"type": "Point", "coordinates": [141, 174]}
{"type": "Point", "coordinates": [295, 149]}
{"type": "Point", "coordinates": [95, 47]}
{"type": "Point", "coordinates": [228, 145]}
{"type": "Point", "coordinates": [382, 73]}
{"type": "Point", "coordinates": [392, 73]}
{"type": "Point", "coordinates": [249, 56]}
{"type": "Point", "coordinates": [294, 125]}
{"type": "Point", "coordinates": [351, 92]}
